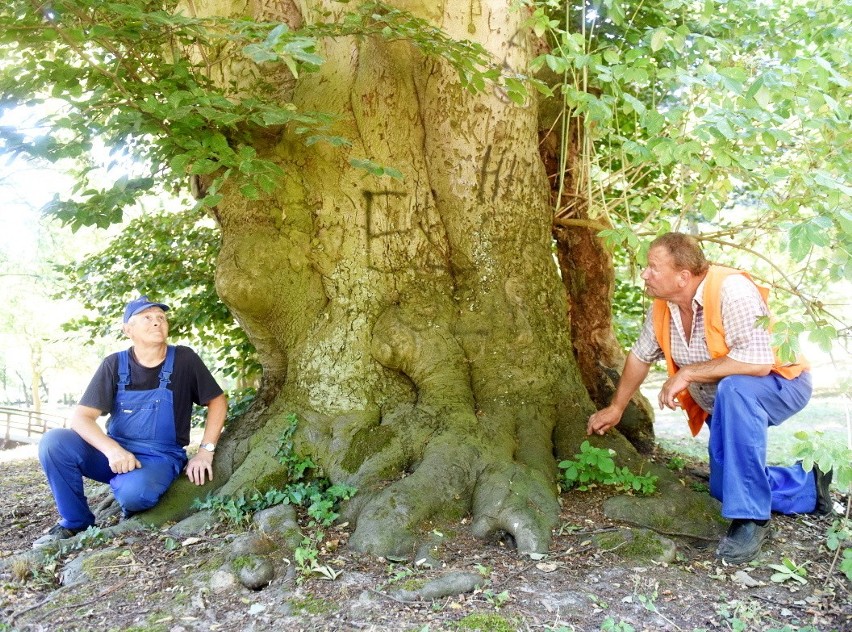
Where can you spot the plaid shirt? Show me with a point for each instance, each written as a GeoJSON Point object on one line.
{"type": "Point", "coordinates": [747, 342]}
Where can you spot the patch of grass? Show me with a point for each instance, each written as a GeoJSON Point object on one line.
{"type": "Point", "coordinates": [644, 545]}
{"type": "Point", "coordinates": [632, 545]}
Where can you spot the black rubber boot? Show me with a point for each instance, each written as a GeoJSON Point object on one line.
{"type": "Point", "coordinates": [824, 504]}
{"type": "Point", "coordinates": [743, 541]}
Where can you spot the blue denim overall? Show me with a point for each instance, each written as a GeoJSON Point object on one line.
{"type": "Point", "coordinates": [745, 406]}
{"type": "Point", "coordinates": [142, 422]}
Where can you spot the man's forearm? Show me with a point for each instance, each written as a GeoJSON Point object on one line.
{"type": "Point", "coordinates": [714, 370]}
{"type": "Point", "coordinates": [84, 423]}
{"type": "Point", "coordinates": [634, 373]}
{"type": "Point", "coordinates": [217, 410]}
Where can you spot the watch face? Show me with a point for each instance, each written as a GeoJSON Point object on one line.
{"type": "Point", "coordinates": [210, 447]}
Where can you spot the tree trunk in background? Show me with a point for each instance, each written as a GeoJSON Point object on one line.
{"type": "Point", "coordinates": [417, 327]}
{"type": "Point", "coordinates": [35, 374]}
{"type": "Point", "coordinates": [588, 274]}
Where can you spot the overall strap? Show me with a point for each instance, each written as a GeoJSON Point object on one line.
{"type": "Point", "coordinates": [123, 370]}
{"type": "Point", "coordinates": [168, 367]}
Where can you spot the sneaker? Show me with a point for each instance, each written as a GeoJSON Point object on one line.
{"type": "Point", "coordinates": [743, 541]}
{"type": "Point", "coordinates": [824, 504]}
{"type": "Point", "coordinates": [57, 532]}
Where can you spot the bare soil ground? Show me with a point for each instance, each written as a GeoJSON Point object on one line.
{"type": "Point", "coordinates": [153, 585]}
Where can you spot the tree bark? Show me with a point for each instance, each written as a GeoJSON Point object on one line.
{"type": "Point", "coordinates": [417, 327]}
{"type": "Point", "coordinates": [587, 269]}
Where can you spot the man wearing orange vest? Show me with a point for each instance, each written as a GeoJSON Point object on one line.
{"type": "Point", "coordinates": [705, 322]}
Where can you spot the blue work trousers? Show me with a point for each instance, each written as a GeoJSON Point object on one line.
{"type": "Point", "coordinates": [67, 458]}
{"type": "Point", "coordinates": [744, 408]}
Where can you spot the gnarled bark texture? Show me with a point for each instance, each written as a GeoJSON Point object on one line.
{"type": "Point", "coordinates": [587, 268]}
{"type": "Point", "coordinates": [417, 327]}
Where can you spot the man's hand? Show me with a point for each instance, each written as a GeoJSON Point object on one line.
{"type": "Point", "coordinates": [672, 386]}
{"type": "Point", "coordinates": [200, 466]}
{"type": "Point", "coordinates": [603, 420]}
{"type": "Point", "coordinates": [121, 461]}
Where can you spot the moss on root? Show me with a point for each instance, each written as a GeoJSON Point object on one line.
{"type": "Point", "coordinates": [366, 443]}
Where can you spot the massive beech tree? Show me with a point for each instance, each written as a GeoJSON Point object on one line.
{"type": "Point", "coordinates": [417, 325]}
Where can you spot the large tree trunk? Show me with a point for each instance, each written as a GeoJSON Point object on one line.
{"type": "Point", "coordinates": [417, 327]}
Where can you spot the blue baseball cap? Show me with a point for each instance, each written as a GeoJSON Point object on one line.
{"type": "Point", "coordinates": [141, 304]}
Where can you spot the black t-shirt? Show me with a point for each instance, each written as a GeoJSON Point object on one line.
{"type": "Point", "coordinates": [190, 383]}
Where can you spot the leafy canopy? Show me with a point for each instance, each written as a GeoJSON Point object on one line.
{"type": "Point", "coordinates": [137, 78]}
{"type": "Point", "coordinates": [726, 118]}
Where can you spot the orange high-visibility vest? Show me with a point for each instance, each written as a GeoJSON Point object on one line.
{"type": "Point", "coordinates": [714, 333]}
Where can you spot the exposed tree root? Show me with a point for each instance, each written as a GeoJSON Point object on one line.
{"type": "Point", "coordinates": [518, 500]}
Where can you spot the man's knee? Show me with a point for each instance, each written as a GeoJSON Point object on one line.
{"type": "Point", "coordinates": [734, 385]}
{"type": "Point", "coordinates": [136, 495]}
{"type": "Point", "coordinates": [136, 500]}
{"type": "Point", "coordinates": [56, 443]}
{"type": "Point", "coordinates": [138, 491]}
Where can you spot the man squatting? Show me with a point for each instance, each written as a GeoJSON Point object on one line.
{"type": "Point", "coordinates": [149, 390]}
{"type": "Point", "coordinates": [704, 321]}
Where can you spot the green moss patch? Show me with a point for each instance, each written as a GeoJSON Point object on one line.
{"type": "Point", "coordinates": [485, 623]}
{"type": "Point", "coordinates": [311, 605]}
{"type": "Point", "coordinates": [365, 444]}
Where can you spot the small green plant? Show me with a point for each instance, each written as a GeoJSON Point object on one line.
{"type": "Point", "coordinates": [837, 458]}
{"type": "Point", "coordinates": [846, 564]}
{"type": "Point", "coordinates": [701, 488]}
{"type": "Point", "coordinates": [676, 463]}
{"type": "Point", "coordinates": [92, 537]}
{"type": "Point", "coordinates": [45, 575]}
{"type": "Point", "coordinates": [828, 455]}
{"type": "Point", "coordinates": [611, 625]}
{"type": "Point", "coordinates": [498, 600]}
{"type": "Point", "coordinates": [788, 570]}
{"type": "Point", "coordinates": [398, 574]}
{"type": "Point", "coordinates": [566, 528]}
{"type": "Point", "coordinates": [739, 616]}
{"type": "Point", "coordinates": [597, 466]}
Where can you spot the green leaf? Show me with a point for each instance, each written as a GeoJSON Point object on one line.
{"type": "Point", "coordinates": [659, 39]}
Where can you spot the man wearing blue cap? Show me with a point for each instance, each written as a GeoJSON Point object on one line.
{"type": "Point", "coordinates": [149, 391]}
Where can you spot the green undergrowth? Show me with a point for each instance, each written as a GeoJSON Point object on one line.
{"type": "Point", "coordinates": [596, 466]}
{"type": "Point", "coordinates": [306, 487]}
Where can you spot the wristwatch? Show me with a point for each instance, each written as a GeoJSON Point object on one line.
{"type": "Point", "coordinates": [210, 447]}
